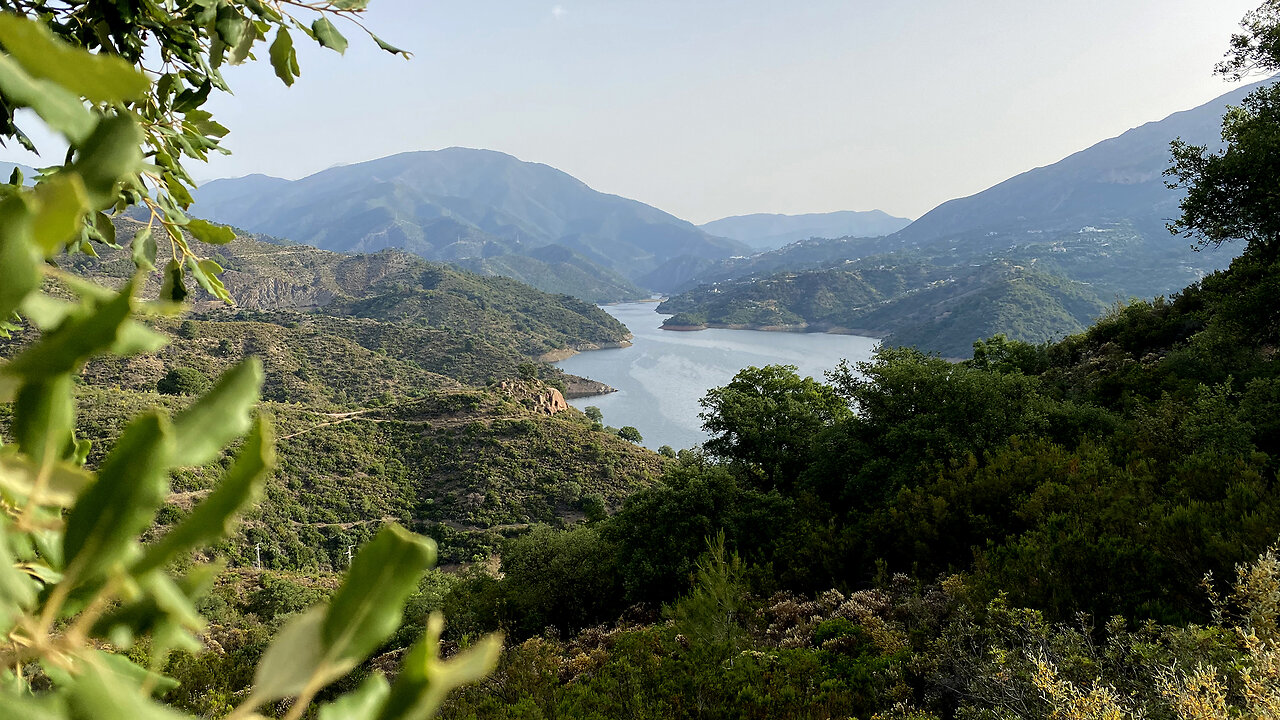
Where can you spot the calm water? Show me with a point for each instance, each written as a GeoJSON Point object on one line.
{"type": "Point", "coordinates": [661, 377]}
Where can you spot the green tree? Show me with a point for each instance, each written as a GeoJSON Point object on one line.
{"type": "Point", "coordinates": [630, 434]}
{"type": "Point", "coordinates": [768, 418]}
{"type": "Point", "coordinates": [1231, 194]}
{"type": "Point", "coordinates": [182, 381]}
{"type": "Point", "coordinates": [594, 415]}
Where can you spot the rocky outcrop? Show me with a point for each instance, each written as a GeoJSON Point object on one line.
{"type": "Point", "coordinates": [551, 402]}
{"type": "Point", "coordinates": [580, 387]}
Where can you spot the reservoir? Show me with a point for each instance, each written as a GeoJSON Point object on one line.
{"type": "Point", "coordinates": [664, 373]}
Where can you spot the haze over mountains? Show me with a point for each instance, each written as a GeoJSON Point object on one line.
{"type": "Point", "coordinates": [771, 231]}
{"type": "Point", "coordinates": [461, 204]}
{"type": "Point", "coordinates": [1035, 257]}
{"type": "Point", "coordinates": [1060, 242]}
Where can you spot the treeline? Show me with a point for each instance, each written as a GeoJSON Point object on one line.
{"type": "Point", "coordinates": [1044, 486]}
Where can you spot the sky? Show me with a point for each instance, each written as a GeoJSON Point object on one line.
{"type": "Point", "coordinates": [713, 108]}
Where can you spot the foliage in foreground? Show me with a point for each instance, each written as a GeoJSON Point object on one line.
{"type": "Point", "coordinates": [76, 583]}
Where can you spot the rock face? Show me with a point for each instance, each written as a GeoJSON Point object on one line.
{"type": "Point", "coordinates": [552, 402]}
{"type": "Point", "coordinates": [580, 387]}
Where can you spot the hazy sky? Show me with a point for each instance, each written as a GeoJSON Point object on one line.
{"type": "Point", "coordinates": [708, 108]}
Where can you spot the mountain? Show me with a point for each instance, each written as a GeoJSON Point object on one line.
{"type": "Point", "coordinates": [1115, 180]}
{"type": "Point", "coordinates": [769, 232]}
{"type": "Point", "coordinates": [460, 204]}
{"type": "Point", "coordinates": [1034, 257]}
{"type": "Point", "coordinates": [557, 269]}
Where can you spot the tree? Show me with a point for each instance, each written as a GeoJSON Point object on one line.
{"type": "Point", "coordinates": [630, 434]}
{"type": "Point", "coordinates": [182, 381]}
{"type": "Point", "coordinates": [75, 577]}
{"type": "Point", "coordinates": [768, 418]}
{"type": "Point", "coordinates": [1231, 194]}
{"type": "Point", "coordinates": [594, 415]}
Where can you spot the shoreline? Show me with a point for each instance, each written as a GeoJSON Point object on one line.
{"type": "Point", "coordinates": [554, 356]}
{"type": "Point", "coordinates": [834, 330]}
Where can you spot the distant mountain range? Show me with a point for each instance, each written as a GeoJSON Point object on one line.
{"type": "Point", "coordinates": [463, 205]}
{"type": "Point", "coordinates": [770, 232]}
{"type": "Point", "coordinates": [1034, 257]}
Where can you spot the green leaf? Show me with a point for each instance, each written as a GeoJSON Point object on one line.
{"type": "Point", "coordinates": [132, 675]}
{"type": "Point", "coordinates": [328, 36]}
{"type": "Point", "coordinates": [98, 77]}
{"type": "Point", "coordinates": [99, 693]}
{"type": "Point", "coordinates": [19, 259]}
{"type": "Point", "coordinates": [174, 286]}
{"type": "Point", "coordinates": [144, 249]}
{"type": "Point", "coordinates": [214, 518]}
{"type": "Point", "coordinates": [44, 417]}
{"type": "Point", "coordinates": [62, 485]}
{"type": "Point", "coordinates": [207, 232]}
{"type": "Point", "coordinates": [111, 154]}
{"type": "Point", "coordinates": [231, 25]}
{"type": "Point", "coordinates": [61, 109]}
{"type": "Point", "coordinates": [294, 660]}
{"type": "Point", "coordinates": [75, 341]}
{"type": "Point", "coordinates": [131, 485]}
{"type": "Point", "coordinates": [284, 59]}
{"type": "Point", "coordinates": [62, 203]}
{"type": "Point", "coordinates": [135, 338]}
{"type": "Point", "coordinates": [350, 4]}
{"type": "Point", "coordinates": [367, 608]}
{"type": "Point", "coordinates": [46, 312]}
{"type": "Point", "coordinates": [363, 703]}
{"type": "Point", "coordinates": [389, 47]}
{"type": "Point", "coordinates": [219, 416]}
{"type": "Point", "coordinates": [106, 230]}
{"type": "Point", "coordinates": [17, 588]}
{"type": "Point", "coordinates": [27, 707]}
{"type": "Point", "coordinates": [425, 680]}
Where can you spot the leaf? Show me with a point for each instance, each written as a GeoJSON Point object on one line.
{"type": "Point", "coordinates": [44, 417]}
{"type": "Point", "coordinates": [214, 518]}
{"type": "Point", "coordinates": [98, 693]}
{"type": "Point", "coordinates": [425, 680]}
{"type": "Point", "coordinates": [231, 25]}
{"type": "Point", "coordinates": [60, 108]}
{"type": "Point", "coordinates": [75, 341]}
{"type": "Point", "coordinates": [135, 338]}
{"type": "Point", "coordinates": [350, 4]}
{"type": "Point", "coordinates": [106, 229]}
{"type": "Point", "coordinates": [284, 59]}
{"type": "Point", "coordinates": [111, 154]}
{"type": "Point", "coordinates": [219, 416]}
{"type": "Point", "coordinates": [144, 249]}
{"type": "Point", "coordinates": [328, 36]}
{"type": "Point", "coordinates": [46, 312]}
{"type": "Point", "coordinates": [294, 660]}
{"type": "Point", "coordinates": [63, 485]}
{"type": "Point", "coordinates": [131, 485]}
{"type": "Point", "coordinates": [27, 707]}
{"type": "Point", "coordinates": [389, 47]}
{"type": "Point", "coordinates": [62, 203]}
{"type": "Point", "coordinates": [99, 77]}
{"type": "Point", "coordinates": [367, 607]}
{"type": "Point", "coordinates": [19, 259]}
{"type": "Point", "coordinates": [17, 589]}
{"type": "Point", "coordinates": [132, 675]}
{"type": "Point", "coordinates": [363, 703]}
{"type": "Point", "coordinates": [207, 232]}
{"type": "Point", "coordinates": [174, 286]}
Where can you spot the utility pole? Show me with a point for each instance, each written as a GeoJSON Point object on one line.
{"type": "Point", "coordinates": [258, 563]}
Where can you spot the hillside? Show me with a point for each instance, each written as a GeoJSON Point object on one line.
{"type": "Point", "coordinates": [557, 269]}
{"type": "Point", "coordinates": [938, 309]}
{"type": "Point", "coordinates": [764, 231]}
{"type": "Point", "coordinates": [458, 204]}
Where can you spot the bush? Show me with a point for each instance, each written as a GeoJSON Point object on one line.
{"type": "Point", "coordinates": [183, 381]}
